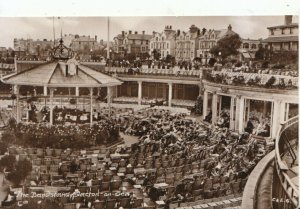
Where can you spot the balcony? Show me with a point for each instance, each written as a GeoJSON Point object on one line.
{"type": "Point", "coordinates": [286, 163]}
{"type": "Point", "coordinates": [274, 181]}
{"type": "Point", "coordinates": [192, 75]}
{"type": "Point", "coordinates": [253, 80]}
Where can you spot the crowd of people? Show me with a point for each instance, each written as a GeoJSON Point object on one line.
{"type": "Point", "coordinates": [176, 159]}
{"type": "Point", "coordinates": [251, 79]}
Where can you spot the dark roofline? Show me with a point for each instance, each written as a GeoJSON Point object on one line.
{"type": "Point", "coordinates": [293, 25]}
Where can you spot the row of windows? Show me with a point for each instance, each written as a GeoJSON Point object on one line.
{"type": "Point", "coordinates": [160, 45]}
{"type": "Point", "coordinates": [283, 31]}
{"type": "Point", "coordinates": [134, 42]}
{"type": "Point", "coordinates": [184, 54]}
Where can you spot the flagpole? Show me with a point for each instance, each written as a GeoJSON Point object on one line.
{"type": "Point", "coordinates": [107, 38]}
{"type": "Point", "coordinates": [53, 33]}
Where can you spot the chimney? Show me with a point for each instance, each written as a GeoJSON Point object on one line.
{"type": "Point", "coordinates": [288, 19]}
{"type": "Point", "coordinates": [229, 27]}
{"type": "Point", "coordinates": [123, 33]}
{"type": "Point", "coordinates": [153, 33]}
{"type": "Point", "coordinates": [130, 32]}
{"type": "Point", "coordinates": [95, 38]}
{"type": "Point", "coordinates": [170, 27]}
{"type": "Point", "coordinates": [143, 32]}
{"type": "Point", "coordinates": [135, 32]}
{"type": "Point", "coordinates": [178, 32]}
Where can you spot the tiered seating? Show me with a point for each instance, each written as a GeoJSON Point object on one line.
{"type": "Point", "coordinates": [176, 161]}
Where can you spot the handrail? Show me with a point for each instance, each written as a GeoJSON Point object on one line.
{"type": "Point", "coordinates": [281, 167]}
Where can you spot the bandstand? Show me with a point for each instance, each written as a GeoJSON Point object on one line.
{"type": "Point", "coordinates": [62, 71]}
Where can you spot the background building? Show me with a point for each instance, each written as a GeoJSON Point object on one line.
{"type": "Point", "coordinates": [131, 43]}
{"type": "Point", "coordinates": [208, 40]}
{"type": "Point", "coordinates": [187, 44]}
{"type": "Point", "coordinates": [163, 43]}
{"type": "Point", "coordinates": [284, 37]}
{"type": "Point", "coordinates": [249, 47]}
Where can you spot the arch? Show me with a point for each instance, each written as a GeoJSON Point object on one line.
{"type": "Point", "coordinates": [245, 45]}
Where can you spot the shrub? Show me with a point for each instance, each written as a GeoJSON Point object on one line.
{"type": "Point", "coordinates": [8, 137]}
{"type": "Point", "coordinates": [3, 148]}
{"type": "Point", "coordinates": [8, 162]}
{"type": "Point", "coordinates": [270, 82]}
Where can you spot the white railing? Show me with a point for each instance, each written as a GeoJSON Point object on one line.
{"type": "Point", "coordinates": [281, 167]}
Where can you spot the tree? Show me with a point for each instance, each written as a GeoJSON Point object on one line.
{"type": "Point", "coordinates": [227, 45]}
{"type": "Point", "coordinates": [7, 137]}
{"type": "Point", "coordinates": [3, 148]}
{"type": "Point", "coordinates": [156, 54]}
{"type": "Point", "coordinates": [8, 162]}
{"type": "Point", "coordinates": [260, 54]}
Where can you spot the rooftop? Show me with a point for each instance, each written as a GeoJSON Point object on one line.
{"type": "Point", "coordinates": [292, 25]}
{"type": "Point", "coordinates": [52, 74]}
{"type": "Point", "coordinates": [281, 39]}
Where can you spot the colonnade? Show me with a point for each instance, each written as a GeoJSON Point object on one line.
{"type": "Point", "coordinates": [240, 110]}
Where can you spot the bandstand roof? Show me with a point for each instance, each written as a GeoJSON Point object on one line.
{"type": "Point", "coordinates": [52, 74]}
{"type": "Point", "coordinates": [63, 71]}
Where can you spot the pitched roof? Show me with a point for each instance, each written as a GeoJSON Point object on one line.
{"type": "Point", "coordinates": [281, 39]}
{"type": "Point", "coordinates": [52, 74]}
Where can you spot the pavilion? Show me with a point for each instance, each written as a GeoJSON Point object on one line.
{"type": "Point", "coordinates": [63, 70]}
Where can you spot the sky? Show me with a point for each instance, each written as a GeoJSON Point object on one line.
{"type": "Point", "coordinates": [253, 27]}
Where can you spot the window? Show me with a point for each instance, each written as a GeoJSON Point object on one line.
{"type": "Point", "coordinates": [282, 31]}
{"type": "Point", "coordinates": [291, 30]}
{"type": "Point", "coordinates": [156, 38]}
{"type": "Point", "coordinates": [167, 45]}
{"type": "Point", "coordinates": [272, 32]}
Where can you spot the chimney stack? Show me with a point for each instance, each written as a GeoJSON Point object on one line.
{"type": "Point", "coordinates": [123, 33]}
{"type": "Point", "coordinates": [95, 38]}
{"type": "Point", "coordinates": [153, 33]}
{"type": "Point", "coordinates": [143, 32]}
{"type": "Point", "coordinates": [130, 32]}
{"type": "Point", "coordinates": [288, 19]}
{"type": "Point", "coordinates": [135, 32]}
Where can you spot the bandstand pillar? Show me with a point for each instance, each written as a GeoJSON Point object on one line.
{"type": "Point", "coordinates": [140, 93]}
{"type": "Point", "coordinates": [205, 101]}
{"type": "Point", "coordinates": [287, 111]}
{"type": "Point", "coordinates": [170, 94]}
{"type": "Point", "coordinates": [45, 91]}
{"type": "Point", "coordinates": [109, 91]}
{"type": "Point", "coordinates": [232, 104]}
{"type": "Point", "coordinates": [77, 91]}
{"type": "Point", "coordinates": [214, 108]}
{"type": "Point", "coordinates": [51, 105]}
{"type": "Point", "coordinates": [282, 111]}
{"type": "Point", "coordinates": [275, 118]}
{"type": "Point", "coordinates": [17, 92]}
{"type": "Point", "coordinates": [91, 107]}
{"type": "Point", "coordinates": [239, 114]}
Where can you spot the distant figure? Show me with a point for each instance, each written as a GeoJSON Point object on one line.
{"type": "Point", "coordinates": [249, 128]}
